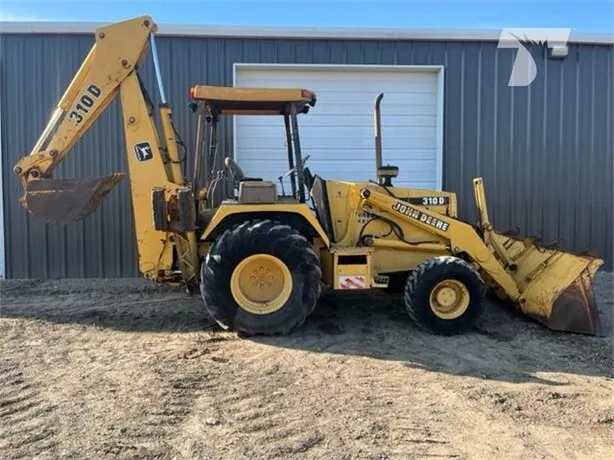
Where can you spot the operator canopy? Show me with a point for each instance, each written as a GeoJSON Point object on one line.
{"type": "Point", "coordinates": [256, 101]}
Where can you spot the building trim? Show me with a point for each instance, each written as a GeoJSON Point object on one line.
{"type": "Point", "coordinates": [440, 126]}
{"type": "Point", "coordinates": [311, 33]}
{"type": "Point", "coordinates": [439, 69]}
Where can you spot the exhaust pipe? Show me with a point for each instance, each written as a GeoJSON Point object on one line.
{"type": "Point", "coordinates": [378, 137]}
{"type": "Point", "coordinates": [383, 174]}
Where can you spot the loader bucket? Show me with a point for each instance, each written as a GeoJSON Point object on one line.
{"type": "Point", "coordinates": [557, 285]}
{"type": "Point", "coordinates": [59, 201]}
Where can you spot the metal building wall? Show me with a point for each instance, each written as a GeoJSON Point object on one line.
{"type": "Point", "coordinates": [545, 151]}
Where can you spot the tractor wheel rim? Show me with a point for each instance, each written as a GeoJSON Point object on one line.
{"type": "Point", "coordinates": [261, 284]}
{"type": "Point", "coordinates": [449, 299]}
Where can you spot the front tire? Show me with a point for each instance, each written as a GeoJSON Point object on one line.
{"type": "Point", "coordinates": [445, 295]}
{"type": "Point", "coordinates": [261, 277]}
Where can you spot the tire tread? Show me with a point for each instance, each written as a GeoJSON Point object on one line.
{"type": "Point", "coordinates": [267, 236]}
{"type": "Point", "coordinates": [417, 291]}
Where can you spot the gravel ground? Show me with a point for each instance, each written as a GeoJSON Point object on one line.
{"type": "Point", "coordinates": [127, 369]}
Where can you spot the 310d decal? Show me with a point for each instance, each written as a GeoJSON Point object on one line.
{"type": "Point", "coordinates": [86, 102]}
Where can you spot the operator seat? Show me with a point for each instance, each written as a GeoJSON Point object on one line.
{"type": "Point", "coordinates": [252, 190]}
{"type": "Point", "coordinates": [321, 205]}
{"type": "Point", "coordinates": [237, 173]}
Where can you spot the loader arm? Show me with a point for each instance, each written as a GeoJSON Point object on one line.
{"type": "Point", "coordinates": [552, 286]}
{"type": "Point", "coordinates": [109, 70]}
{"type": "Point", "coordinates": [462, 237]}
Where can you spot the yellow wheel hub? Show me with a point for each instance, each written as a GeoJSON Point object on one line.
{"type": "Point", "coordinates": [449, 299]}
{"type": "Point", "coordinates": [261, 284]}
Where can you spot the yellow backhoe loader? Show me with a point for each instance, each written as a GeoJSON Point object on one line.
{"type": "Point", "coordinates": [260, 257]}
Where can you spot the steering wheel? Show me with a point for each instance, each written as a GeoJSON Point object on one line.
{"type": "Point", "coordinates": [307, 176]}
{"type": "Point", "coordinates": [293, 170]}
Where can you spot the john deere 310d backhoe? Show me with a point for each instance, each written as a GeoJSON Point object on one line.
{"type": "Point", "coordinates": [260, 257]}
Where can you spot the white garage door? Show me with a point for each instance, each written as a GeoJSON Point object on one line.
{"type": "Point", "coordinates": [338, 133]}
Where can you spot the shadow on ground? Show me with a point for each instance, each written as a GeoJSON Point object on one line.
{"type": "Point", "coordinates": [504, 347]}
{"type": "Point", "coordinates": [121, 304]}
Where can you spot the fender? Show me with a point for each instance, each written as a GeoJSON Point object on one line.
{"type": "Point", "coordinates": [223, 218]}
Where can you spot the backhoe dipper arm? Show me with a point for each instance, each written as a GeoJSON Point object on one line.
{"type": "Point", "coordinates": [118, 50]}
{"type": "Point", "coordinates": [110, 69]}
{"type": "Point", "coordinates": [462, 236]}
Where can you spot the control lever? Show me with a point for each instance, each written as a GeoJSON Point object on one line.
{"type": "Point", "coordinates": [281, 182]}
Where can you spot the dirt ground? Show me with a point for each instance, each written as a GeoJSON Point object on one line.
{"type": "Point", "coordinates": [127, 369]}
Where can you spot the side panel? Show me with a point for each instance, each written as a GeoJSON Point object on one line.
{"type": "Point", "coordinates": [387, 261]}
{"type": "Point", "coordinates": [350, 222]}
{"type": "Point", "coordinates": [352, 268]}
{"type": "Point", "coordinates": [347, 268]}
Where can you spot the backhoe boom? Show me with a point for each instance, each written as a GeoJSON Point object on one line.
{"type": "Point", "coordinates": [118, 50]}
{"type": "Point", "coordinates": [110, 69]}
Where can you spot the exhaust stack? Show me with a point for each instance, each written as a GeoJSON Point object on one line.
{"type": "Point", "coordinates": [384, 174]}
{"type": "Point", "coordinates": [378, 136]}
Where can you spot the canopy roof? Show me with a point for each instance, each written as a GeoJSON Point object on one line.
{"type": "Point", "coordinates": [253, 101]}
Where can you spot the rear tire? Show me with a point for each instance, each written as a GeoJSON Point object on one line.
{"type": "Point", "coordinates": [445, 295]}
{"type": "Point", "coordinates": [261, 277]}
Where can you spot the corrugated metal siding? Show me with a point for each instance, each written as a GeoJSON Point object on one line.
{"type": "Point", "coordinates": [545, 151]}
{"type": "Point", "coordinates": [2, 255]}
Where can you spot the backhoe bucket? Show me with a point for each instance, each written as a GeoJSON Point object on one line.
{"type": "Point", "coordinates": [557, 285]}
{"type": "Point", "coordinates": [59, 201]}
